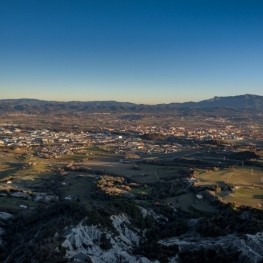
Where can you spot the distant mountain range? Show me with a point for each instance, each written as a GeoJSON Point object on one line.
{"type": "Point", "coordinates": [246, 102]}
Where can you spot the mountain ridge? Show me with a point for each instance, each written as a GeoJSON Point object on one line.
{"type": "Point", "coordinates": [239, 102]}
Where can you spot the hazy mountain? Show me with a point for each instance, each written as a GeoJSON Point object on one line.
{"type": "Point", "coordinates": [241, 102]}
{"type": "Point", "coordinates": [247, 101]}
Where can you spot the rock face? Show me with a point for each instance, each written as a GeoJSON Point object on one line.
{"type": "Point", "coordinates": [124, 232]}
{"type": "Point", "coordinates": [85, 242]}
{"type": "Point", "coordinates": [4, 216]}
{"type": "Point", "coordinates": [249, 246]}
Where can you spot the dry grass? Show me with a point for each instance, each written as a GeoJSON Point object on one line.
{"type": "Point", "coordinates": [247, 183]}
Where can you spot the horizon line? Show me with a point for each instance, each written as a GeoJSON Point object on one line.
{"type": "Point", "coordinates": [112, 100]}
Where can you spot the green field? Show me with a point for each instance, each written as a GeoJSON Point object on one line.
{"type": "Point", "coordinates": [18, 172]}
{"type": "Point", "coordinates": [246, 196]}
{"type": "Point", "coordinates": [246, 181]}
{"type": "Point", "coordinates": [188, 201]}
{"type": "Point", "coordinates": [143, 173]}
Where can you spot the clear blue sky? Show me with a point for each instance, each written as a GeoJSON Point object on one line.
{"type": "Point", "coordinates": [130, 50]}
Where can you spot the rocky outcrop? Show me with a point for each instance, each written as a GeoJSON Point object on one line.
{"type": "Point", "coordinates": [83, 242]}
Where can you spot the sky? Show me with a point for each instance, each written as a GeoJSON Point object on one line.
{"type": "Point", "coordinates": [143, 51]}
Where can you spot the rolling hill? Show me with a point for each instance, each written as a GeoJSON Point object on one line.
{"type": "Point", "coordinates": [242, 102]}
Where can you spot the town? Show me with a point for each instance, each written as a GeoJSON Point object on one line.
{"type": "Point", "coordinates": [155, 168]}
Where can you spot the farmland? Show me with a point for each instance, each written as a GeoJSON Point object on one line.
{"type": "Point", "coordinates": [246, 184]}
{"type": "Point", "coordinates": [162, 179]}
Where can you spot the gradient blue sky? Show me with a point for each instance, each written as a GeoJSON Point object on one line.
{"type": "Point", "coordinates": [130, 50]}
